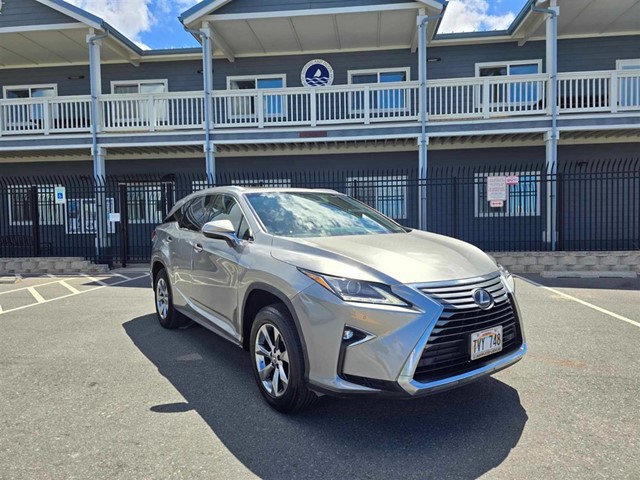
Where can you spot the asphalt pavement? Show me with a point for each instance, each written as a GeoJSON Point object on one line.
{"type": "Point", "coordinates": [92, 387]}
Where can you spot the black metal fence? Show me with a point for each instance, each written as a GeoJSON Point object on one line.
{"type": "Point", "coordinates": [585, 206]}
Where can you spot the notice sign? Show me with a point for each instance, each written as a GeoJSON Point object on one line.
{"type": "Point", "coordinates": [61, 195]}
{"type": "Point", "coordinates": [496, 204]}
{"type": "Point", "coordinates": [496, 188]}
{"type": "Point", "coordinates": [114, 217]}
{"type": "Point", "coordinates": [513, 180]}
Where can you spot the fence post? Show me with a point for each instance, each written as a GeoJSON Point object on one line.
{"type": "Point", "coordinates": [454, 208]}
{"type": "Point", "coordinates": [35, 220]}
{"type": "Point", "coordinates": [124, 225]}
{"type": "Point", "coordinates": [560, 211]}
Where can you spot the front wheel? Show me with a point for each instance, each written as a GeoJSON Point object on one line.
{"type": "Point", "coordinates": [278, 362]}
{"type": "Point", "coordinates": [167, 314]}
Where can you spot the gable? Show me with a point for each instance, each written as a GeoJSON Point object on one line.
{"type": "Point", "coordinates": [18, 13]}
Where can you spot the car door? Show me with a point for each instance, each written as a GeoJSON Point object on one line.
{"type": "Point", "coordinates": [185, 235]}
{"type": "Point", "coordinates": [216, 266]}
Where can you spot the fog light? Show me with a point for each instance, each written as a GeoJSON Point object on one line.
{"type": "Point", "coordinates": [347, 335]}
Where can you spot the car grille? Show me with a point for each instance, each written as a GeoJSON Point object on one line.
{"type": "Point", "coordinates": [447, 352]}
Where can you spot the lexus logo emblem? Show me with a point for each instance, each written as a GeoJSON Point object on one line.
{"type": "Point", "coordinates": [482, 298]}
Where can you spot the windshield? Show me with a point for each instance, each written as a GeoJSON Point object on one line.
{"type": "Point", "coordinates": [308, 214]}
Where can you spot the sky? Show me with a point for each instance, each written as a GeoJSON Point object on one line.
{"type": "Point", "coordinates": [154, 23]}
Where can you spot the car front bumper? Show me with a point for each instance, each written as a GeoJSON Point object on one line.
{"type": "Point", "coordinates": [384, 362]}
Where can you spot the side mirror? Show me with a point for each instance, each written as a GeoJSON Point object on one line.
{"type": "Point", "coordinates": [221, 229]}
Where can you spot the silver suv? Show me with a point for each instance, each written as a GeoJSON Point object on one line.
{"type": "Point", "coordinates": [331, 297]}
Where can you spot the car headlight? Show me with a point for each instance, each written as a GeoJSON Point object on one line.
{"type": "Point", "coordinates": [507, 278]}
{"type": "Point", "coordinates": [351, 290]}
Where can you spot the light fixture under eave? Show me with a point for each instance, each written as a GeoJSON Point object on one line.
{"type": "Point", "coordinates": [433, 59]}
{"type": "Point", "coordinates": [76, 77]}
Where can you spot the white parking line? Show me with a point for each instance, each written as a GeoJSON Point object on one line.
{"type": "Point", "coordinates": [582, 302]}
{"type": "Point", "coordinates": [71, 294]}
{"type": "Point", "coordinates": [68, 287]}
{"type": "Point", "coordinates": [95, 280]}
{"type": "Point", "coordinates": [120, 275]}
{"type": "Point", "coordinates": [39, 298]}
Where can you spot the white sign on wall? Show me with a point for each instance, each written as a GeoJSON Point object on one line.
{"type": "Point", "coordinates": [497, 188]}
{"type": "Point", "coordinates": [513, 180]}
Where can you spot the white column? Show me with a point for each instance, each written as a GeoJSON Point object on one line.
{"type": "Point", "coordinates": [552, 137]}
{"type": "Point", "coordinates": [207, 74]}
{"type": "Point", "coordinates": [95, 77]}
{"type": "Point", "coordinates": [423, 140]}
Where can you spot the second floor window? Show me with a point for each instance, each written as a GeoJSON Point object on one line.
{"type": "Point", "coordinates": [516, 92]}
{"type": "Point", "coordinates": [245, 106]}
{"type": "Point", "coordinates": [27, 114]}
{"type": "Point", "coordinates": [629, 83]}
{"type": "Point", "coordinates": [139, 86]}
{"type": "Point", "coordinates": [380, 98]}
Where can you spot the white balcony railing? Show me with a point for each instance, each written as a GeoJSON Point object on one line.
{"type": "Point", "coordinates": [449, 99]}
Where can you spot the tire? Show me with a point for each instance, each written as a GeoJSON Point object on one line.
{"type": "Point", "coordinates": [281, 353]}
{"type": "Point", "coordinates": [168, 316]}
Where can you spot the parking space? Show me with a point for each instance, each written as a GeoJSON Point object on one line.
{"type": "Point", "coordinates": [92, 387]}
{"type": "Point", "coordinates": [24, 291]}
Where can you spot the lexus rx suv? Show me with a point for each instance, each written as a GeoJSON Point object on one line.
{"type": "Point", "coordinates": [330, 297]}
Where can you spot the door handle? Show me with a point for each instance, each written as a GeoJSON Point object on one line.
{"type": "Point", "coordinates": [197, 248]}
{"type": "Point", "coordinates": [169, 239]}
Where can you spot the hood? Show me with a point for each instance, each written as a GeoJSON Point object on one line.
{"type": "Point", "coordinates": [414, 257]}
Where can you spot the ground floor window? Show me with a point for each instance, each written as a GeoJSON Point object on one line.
{"type": "Point", "coordinates": [21, 205]}
{"type": "Point", "coordinates": [522, 199]}
{"type": "Point", "coordinates": [145, 203]}
{"type": "Point", "coordinates": [386, 194]}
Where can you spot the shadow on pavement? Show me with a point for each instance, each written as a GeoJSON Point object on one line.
{"type": "Point", "coordinates": [459, 434]}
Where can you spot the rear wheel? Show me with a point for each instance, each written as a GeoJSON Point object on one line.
{"type": "Point", "coordinates": [278, 362]}
{"type": "Point", "coordinates": [167, 314]}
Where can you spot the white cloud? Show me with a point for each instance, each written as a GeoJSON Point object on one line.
{"type": "Point", "coordinates": [130, 17]}
{"type": "Point", "coordinates": [473, 16]}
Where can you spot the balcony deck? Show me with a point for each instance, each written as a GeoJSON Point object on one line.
{"type": "Point", "coordinates": [460, 99]}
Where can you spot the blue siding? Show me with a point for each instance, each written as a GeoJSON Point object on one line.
{"type": "Point", "coordinates": [17, 13]}
{"type": "Point", "coordinates": [292, 65]}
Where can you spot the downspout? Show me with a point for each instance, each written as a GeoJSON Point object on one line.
{"type": "Point", "coordinates": [553, 74]}
{"type": "Point", "coordinates": [94, 97]}
{"type": "Point", "coordinates": [552, 151]}
{"type": "Point", "coordinates": [208, 94]}
{"type": "Point", "coordinates": [423, 21]}
{"type": "Point", "coordinates": [101, 237]}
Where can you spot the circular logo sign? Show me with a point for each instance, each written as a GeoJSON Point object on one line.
{"type": "Point", "coordinates": [317, 73]}
{"type": "Point", "coordinates": [483, 298]}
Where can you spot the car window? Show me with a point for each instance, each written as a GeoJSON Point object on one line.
{"type": "Point", "coordinates": [311, 214]}
{"type": "Point", "coordinates": [194, 214]}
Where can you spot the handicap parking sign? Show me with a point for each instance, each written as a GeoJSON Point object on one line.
{"type": "Point", "coordinates": [60, 195]}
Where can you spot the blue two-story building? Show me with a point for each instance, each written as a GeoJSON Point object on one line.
{"type": "Point", "coordinates": [283, 87]}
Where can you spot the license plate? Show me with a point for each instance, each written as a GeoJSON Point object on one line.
{"type": "Point", "coordinates": [486, 342]}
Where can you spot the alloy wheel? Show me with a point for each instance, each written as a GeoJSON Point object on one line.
{"type": "Point", "coordinates": [272, 360]}
{"type": "Point", "coordinates": [162, 298]}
